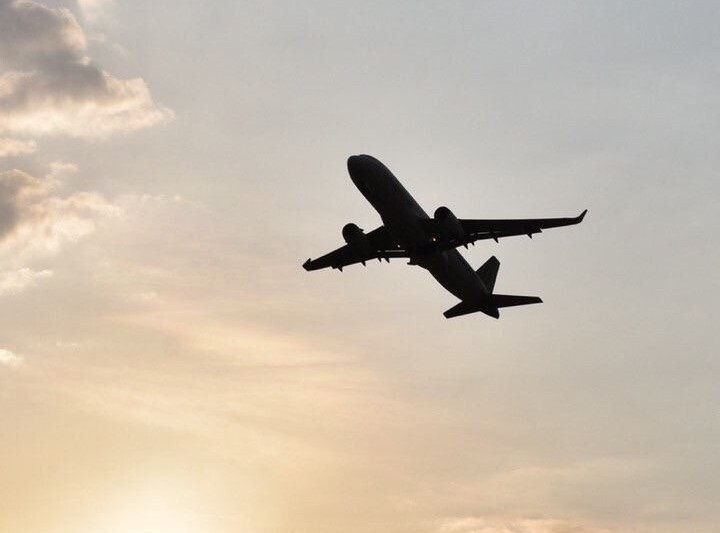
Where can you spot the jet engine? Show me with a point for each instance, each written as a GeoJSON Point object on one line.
{"type": "Point", "coordinates": [355, 237]}
{"type": "Point", "coordinates": [449, 225]}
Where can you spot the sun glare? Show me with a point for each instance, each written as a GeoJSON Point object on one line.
{"type": "Point", "coordinates": [152, 510]}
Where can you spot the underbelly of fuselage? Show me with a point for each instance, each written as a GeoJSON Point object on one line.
{"type": "Point", "coordinates": [455, 274]}
{"type": "Point", "coordinates": [448, 267]}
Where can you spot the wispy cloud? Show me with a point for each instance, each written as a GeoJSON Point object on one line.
{"type": "Point", "coordinates": [15, 147]}
{"type": "Point", "coordinates": [51, 86]}
{"type": "Point", "coordinates": [95, 10]}
{"type": "Point", "coordinates": [515, 525]}
{"type": "Point", "coordinates": [8, 358]}
{"type": "Point", "coordinates": [15, 281]}
{"type": "Point", "coordinates": [36, 222]}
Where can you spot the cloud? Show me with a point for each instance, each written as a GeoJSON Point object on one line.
{"type": "Point", "coordinates": [50, 85]}
{"type": "Point", "coordinates": [95, 10]}
{"type": "Point", "coordinates": [36, 221]}
{"type": "Point", "coordinates": [60, 170]}
{"type": "Point", "coordinates": [15, 147]}
{"type": "Point", "coordinates": [7, 358]}
{"type": "Point", "coordinates": [15, 281]}
{"type": "Point", "coordinates": [514, 525]}
{"type": "Point", "coordinates": [67, 344]}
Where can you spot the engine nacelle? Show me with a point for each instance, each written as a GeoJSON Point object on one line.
{"type": "Point", "coordinates": [354, 236]}
{"type": "Point", "coordinates": [449, 225]}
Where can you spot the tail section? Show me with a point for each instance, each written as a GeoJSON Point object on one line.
{"type": "Point", "coordinates": [491, 307]}
{"type": "Point", "coordinates": [490, 304]}
{"type": "Point", "coordinates": [488, 273]}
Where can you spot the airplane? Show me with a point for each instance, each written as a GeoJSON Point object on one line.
{"type": "Point", "coordinates": [431, 243]}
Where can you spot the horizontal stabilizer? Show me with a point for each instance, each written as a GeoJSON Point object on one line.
{"type": "Point", "coordinates": [491, 308]}
{"type": "Point", "coordinates": [465, 308]}
{"type": "Point", "coordinates": [511, 300]}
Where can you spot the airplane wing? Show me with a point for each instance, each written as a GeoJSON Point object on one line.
{"type": "Point", "coordinates": [476, 230]}
{"type": "Point", "coordinates": [378, 244]}
{"type": "Point", "coordinates": [480, 229]}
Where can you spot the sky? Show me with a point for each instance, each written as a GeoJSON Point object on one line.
{"type": "Point", "coordinates": [167, 366]}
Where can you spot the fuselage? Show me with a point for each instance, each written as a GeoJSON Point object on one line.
{"type": "Point", "coordinates": [403, 217]}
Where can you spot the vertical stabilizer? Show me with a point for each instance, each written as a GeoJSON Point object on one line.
{"type": "Point", "coordinates": [488, 273]}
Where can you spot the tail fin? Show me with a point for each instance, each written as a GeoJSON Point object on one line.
{"type": "Point", "coordinates": [488, 273]}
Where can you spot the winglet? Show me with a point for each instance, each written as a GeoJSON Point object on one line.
{"type": "Point", "coordinates": [306, 264]}
{"type": "Point", "coordinates": [581, 216]}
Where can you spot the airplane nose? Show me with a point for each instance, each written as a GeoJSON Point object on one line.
{"type": "Point", "coordinates": [354, 163]}
{"type": "Point", "coordinates": [360, 170]}
{"type": "Point", "coordinates": [361, 166]}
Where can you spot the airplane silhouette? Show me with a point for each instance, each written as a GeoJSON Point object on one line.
{"type": "Point", "coordinates": [408, 232]}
